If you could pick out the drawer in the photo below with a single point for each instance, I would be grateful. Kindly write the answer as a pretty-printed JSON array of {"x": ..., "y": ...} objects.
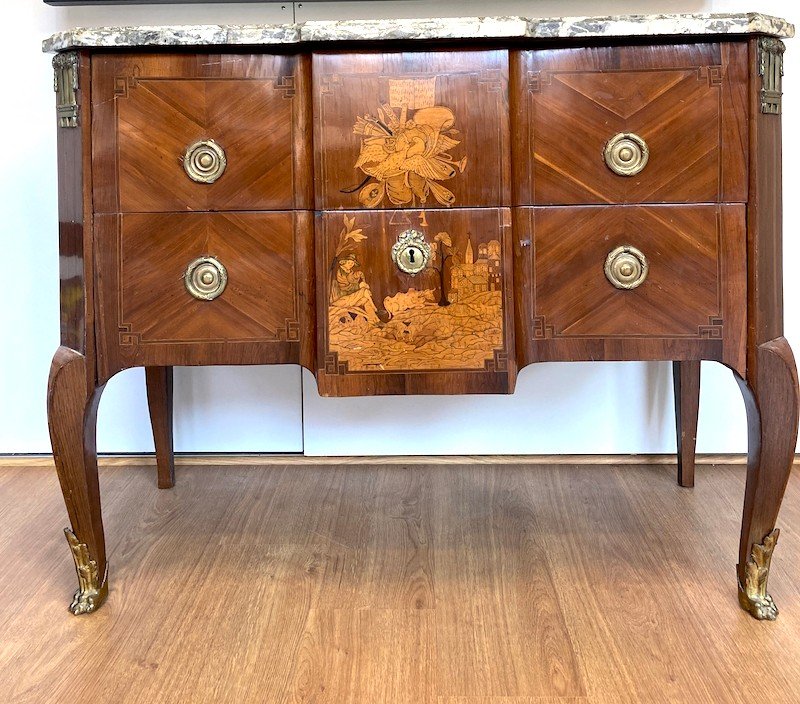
[
  {"x": 414, "y": 302},
  {"x": 200, "y": 132},
  {"x": 660, "y": 282},
  {"x": 659, "y": 124},
  {"x": 411, "y": 129},
  {"x": 198, "y": 288}
]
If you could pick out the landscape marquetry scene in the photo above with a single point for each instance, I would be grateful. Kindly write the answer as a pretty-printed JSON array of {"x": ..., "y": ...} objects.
[{"x": 448, "y": 316}]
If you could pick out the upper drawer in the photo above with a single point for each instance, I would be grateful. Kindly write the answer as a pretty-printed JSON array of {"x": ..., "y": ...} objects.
[
  {"x": 154, "y": 116},
  {"x": 411, "y": 129},
  {"x": 655, "y": 124}
]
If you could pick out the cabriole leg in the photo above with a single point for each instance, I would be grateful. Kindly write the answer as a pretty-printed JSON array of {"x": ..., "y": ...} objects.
[
  {"x": 72, "y": 401},
  {"x": 686, "y": 382},
  {"x": 771, "y": 398},
  {"x": 159, "y": 400}
]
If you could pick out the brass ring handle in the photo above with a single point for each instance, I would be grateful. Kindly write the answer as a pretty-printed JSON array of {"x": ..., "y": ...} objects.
[
  {"x": 626, "y": 154},
  {"x": 411, "y": 252},
  {"x": 626, "y": 267},
  {"x": 205, "y": 278},
  {"x": 204, "y": 161}
]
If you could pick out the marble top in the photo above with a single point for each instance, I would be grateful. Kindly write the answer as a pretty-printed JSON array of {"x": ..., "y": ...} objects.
[{"x": 421, "y": 29}]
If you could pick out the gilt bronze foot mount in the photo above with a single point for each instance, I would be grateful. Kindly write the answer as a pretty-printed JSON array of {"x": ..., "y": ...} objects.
[
  {"x": 753, "y": 596},
  {"x": 91, "y": 593}
]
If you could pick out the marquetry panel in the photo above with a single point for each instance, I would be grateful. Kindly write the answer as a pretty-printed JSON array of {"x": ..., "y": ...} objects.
[
  {"x": 149, "y": 108},
  {"x": 147, "y": 313},
  {"x": 687, "y": 102},
  {"x": 691, "y": 303},
  {"x": 411, "y": 129},
  {"x": 446, "y": 329}
]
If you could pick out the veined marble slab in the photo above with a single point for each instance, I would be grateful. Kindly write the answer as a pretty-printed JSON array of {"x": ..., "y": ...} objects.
[{"x": 433, "y": 28}]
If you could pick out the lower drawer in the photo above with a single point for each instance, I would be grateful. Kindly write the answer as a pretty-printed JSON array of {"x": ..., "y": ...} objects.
[
  {"x": 204, "y": 288},
  {"x": 641, "y": 282},
  {"x": 414, "y": 302}
]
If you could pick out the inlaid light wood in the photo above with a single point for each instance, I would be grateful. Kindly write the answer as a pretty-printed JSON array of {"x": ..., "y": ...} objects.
[
  {"x": 446, "y": 327},
  {"x": 411, "y": 129},
  {"x": 417, "y": 585},
  {"x": 426, "y": 128},
  {"x": 449, "y": 315}
]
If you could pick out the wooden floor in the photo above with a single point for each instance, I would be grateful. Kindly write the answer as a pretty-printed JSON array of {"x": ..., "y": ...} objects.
[{"x": 397, "y": 585}]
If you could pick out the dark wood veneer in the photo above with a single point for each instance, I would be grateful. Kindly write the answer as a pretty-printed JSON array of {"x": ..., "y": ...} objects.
[
  {"x": 146, "y": 317},
  {"x": 686, "y": 382},
  {"x": 74, "y": 223},
  {"x": 159, "y": 402}
]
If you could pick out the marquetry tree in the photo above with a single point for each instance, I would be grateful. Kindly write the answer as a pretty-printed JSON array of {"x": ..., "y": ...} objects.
[{"x": 441, "y": 251}]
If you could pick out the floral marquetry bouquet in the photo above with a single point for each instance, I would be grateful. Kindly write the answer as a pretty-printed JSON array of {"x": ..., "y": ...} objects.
[{"x": 405, "y": 148}]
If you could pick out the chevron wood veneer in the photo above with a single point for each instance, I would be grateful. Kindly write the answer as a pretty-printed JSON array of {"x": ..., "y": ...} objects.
[
  {"x": 149, "y": 315},
  {"x": 695, "y": 254},
  {"x": 423, "y": 218},
  {"x": 149, "y": 108},
  {"x": 687, "y": 103}
]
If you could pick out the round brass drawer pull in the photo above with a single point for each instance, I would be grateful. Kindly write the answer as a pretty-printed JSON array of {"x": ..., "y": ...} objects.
[
  {"x": 204, "y": 161},
  {"x": 626, "y": 267},
  {"x": 205, "y": 278},
  {"x": 411, "y": 252},
  {"x": 626, "y": 154}
]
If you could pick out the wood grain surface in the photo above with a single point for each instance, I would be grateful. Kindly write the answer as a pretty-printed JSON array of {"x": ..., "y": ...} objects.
[
  {"x": 412, "y": 585},
  {"x": 159, "y": 403},
  {"x": 149, "y": 108},
  {"x": 686, "y": 384},
  {"x": 241, "y": 459},
  {"x": 147, "y": 317},
  {"x": 75, "y": 261},
  {"x": 686, "y": 102},
  {"x": 690, "y": 306},
  {"x": 764, "y": 223}
]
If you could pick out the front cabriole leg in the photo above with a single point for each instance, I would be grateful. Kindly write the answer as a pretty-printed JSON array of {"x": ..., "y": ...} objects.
[
  {"x": 771, "y": 399},
  {"x": 72, "y": 400}
]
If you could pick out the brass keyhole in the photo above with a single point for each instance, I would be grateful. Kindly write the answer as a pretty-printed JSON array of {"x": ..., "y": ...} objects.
[{"x": 411, "y": 252}]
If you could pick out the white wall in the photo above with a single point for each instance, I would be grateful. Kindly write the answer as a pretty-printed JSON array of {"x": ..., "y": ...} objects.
[{"x": 591, "y": 408}]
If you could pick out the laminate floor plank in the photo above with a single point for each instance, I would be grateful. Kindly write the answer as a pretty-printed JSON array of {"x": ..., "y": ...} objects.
[
  {"x": 382, "y": 541},
  {"x": 663, "y": 628},
  {"x": 353, "y": 656},
  {"x": 407, "y": 584},
  {"x": 497, "y": 607}
]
